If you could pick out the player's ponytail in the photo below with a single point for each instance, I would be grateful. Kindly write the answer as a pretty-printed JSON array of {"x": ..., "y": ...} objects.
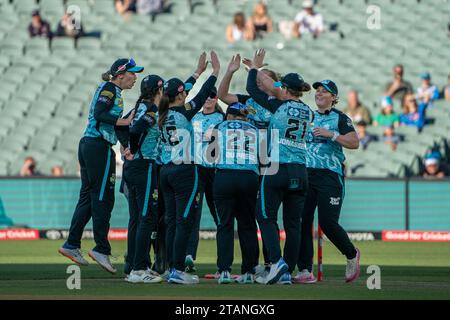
[
  {"x": 138, "y": 102},
  {"x": 306, "y": 87},
  {"x": 107, "y": 76},
  {"x": 163, "y": 110}
]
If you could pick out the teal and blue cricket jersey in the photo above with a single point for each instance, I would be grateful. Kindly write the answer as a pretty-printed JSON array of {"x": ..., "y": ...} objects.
[
  {"x": 322, "y": 152},
  {"x": 237, "y": 143},
  {"x": 177, "y": 133},
  {"x": 145, "y": 133},
  {"x": 106, "y": 108},
  {"x": 257, "y": 115},
  {"x": 289, "y": 124},
  {"x": 203, "y": 125}
]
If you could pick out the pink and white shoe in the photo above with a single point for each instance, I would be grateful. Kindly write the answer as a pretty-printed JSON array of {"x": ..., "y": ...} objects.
[
  {"x": 352, "y": 270},
  {"x": 305, "y": 277}
]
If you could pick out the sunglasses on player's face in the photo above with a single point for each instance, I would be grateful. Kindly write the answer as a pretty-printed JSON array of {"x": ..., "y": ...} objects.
[{"x": 130, "y": 64}]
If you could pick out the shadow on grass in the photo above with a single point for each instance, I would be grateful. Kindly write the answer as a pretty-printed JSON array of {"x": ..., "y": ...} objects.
[{"x": 49, "y": 280}]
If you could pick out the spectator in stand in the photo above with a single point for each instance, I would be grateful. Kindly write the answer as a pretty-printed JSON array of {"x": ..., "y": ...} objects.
[
  {"x": 308, "y": 21},
  {"x": 390, "y": 137},
  {"x": 149, "y": 7},
  {"x": 39, "y": 27},
  {"x": 387, "y": 117},
  {"x": 355, "y": 110},
  {"x": 260, "y": 23},
  {"x": 125, "y": 7},
  {"x": 67, "y": 27},
  {"x": 426, "y": 93},
  {"x": 398, "y": 88},
  {"x": 239, "y": 29},
  {"x": 433, "y": 168},
  {"x": 446, "y": 90},
  {"x": 29, "y": 168},
  {"x": 412, "y": 116},
  {"x": 364, "y": 137},
  {"x": 57, "y": 171}
]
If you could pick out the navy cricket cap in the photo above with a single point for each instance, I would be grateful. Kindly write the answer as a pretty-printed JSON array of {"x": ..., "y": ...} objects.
[
  {"x": 123, "y": 65},
  {"x": 292, "y": 81},
  {"x": 151, "y": 82},
  {"x": 213, "y": 93},
  {"x": 236, "y": 109},
  {"x": 329, "y": 85},
  {"x": 175, "y": 86}
]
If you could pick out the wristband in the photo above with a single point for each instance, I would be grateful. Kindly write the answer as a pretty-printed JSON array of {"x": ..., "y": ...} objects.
[{"x": 335, "y": 136}]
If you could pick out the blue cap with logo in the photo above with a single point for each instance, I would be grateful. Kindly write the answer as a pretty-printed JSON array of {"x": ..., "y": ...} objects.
[
  {"x": 292, "y": 81},
  {"x": 329, "y": 85},
  {"x": 175, "y": 86},
  {"x": 125, "y": 65}
]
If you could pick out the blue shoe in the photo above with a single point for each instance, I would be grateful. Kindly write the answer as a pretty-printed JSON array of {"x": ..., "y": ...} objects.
[
  {"x": 225, "y": 277},
  {"x": 276, "y": 271},
  {"x": 180, "y": 277},
  {"x": 285, "y": 279}
]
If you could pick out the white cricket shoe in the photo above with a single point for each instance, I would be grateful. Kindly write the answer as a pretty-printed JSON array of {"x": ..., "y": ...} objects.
[
  {"x": 143, "y": 276},
  {"x": 103, "y": 261},
  {"x": 74, "y": 255},
  {"x": 352, "y": 270},
  {"x": 276, "y": 271}
]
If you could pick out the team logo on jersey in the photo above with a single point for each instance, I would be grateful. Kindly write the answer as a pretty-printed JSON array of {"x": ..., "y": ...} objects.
[
  {"x": 120, "y": 103},
  {"x": 335, "y": 201},
  {"x": 112, "y": 180},
  {"x": 234, "y": 125},
  {"x": 155, "y": 194},
  {"x": 349, "y": 123},
  {"x": 294, "y": 112},
  {"x": 188, "y": 106}
]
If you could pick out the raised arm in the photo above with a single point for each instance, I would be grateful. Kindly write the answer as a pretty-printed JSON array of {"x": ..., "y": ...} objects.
[
  {"x": 224, "y": 88},
  {"x": 270, "y": 103}
]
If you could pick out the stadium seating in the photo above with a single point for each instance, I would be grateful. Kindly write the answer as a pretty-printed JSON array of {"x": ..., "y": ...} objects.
[{"x": 47, "y": 87}]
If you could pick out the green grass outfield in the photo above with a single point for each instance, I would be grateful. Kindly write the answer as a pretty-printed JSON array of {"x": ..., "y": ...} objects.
[{"x": 34, "y": 270}]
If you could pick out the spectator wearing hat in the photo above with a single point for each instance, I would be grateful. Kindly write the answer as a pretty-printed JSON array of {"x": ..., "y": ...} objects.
[
  {"x": 387, "y": 117},
  {"x": 412, "y": 116},
  {"x": 355, "y": 110},
  {"x": 433, "y": 168},
  {"x": 308, "y": 21},
  {"x": 390, "y": 137},
  {"x": 426, "y": 93},
  {"x": 67, "y": 27},
  {"x": 398, "y": 87},
  {"x": 39, "y": 27},
  {"x": 98, "y": 163},
  {"x": 239, "y": 30},
  {"x": 364, "y": 137}
]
